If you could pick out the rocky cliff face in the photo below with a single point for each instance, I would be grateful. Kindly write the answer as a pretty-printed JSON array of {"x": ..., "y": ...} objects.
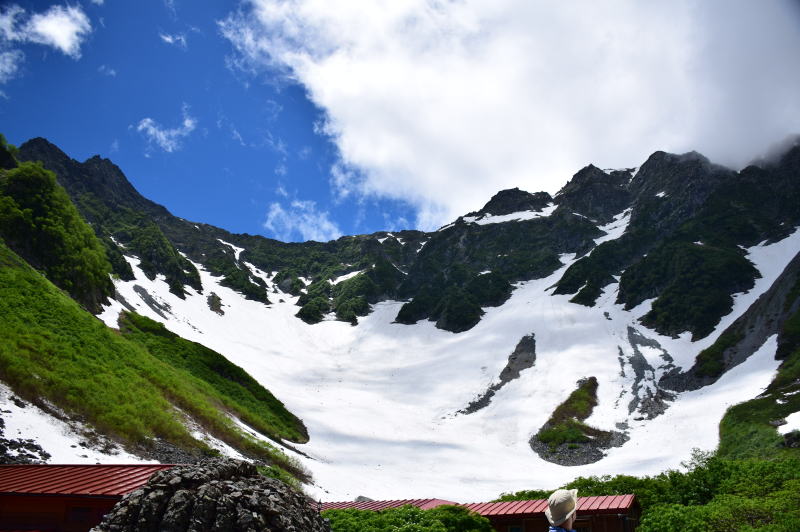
[
  {"x": 666, "y": 207},
  {"x": 218, "y": 495}
]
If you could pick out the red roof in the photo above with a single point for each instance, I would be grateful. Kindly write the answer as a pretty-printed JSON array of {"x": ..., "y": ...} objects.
[
  {"x": 596, "y": 505},
  {"x": 424, "y": 504},
  {"x": 603, "y": 504},
  {"x": 91, "y": 480}
]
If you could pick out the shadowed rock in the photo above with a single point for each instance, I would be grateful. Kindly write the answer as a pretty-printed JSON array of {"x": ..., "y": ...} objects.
[{"x": 218, "y": 495}]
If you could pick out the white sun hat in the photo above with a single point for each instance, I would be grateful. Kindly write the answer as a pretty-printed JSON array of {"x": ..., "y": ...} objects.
[{"x": 561, "y": 506}]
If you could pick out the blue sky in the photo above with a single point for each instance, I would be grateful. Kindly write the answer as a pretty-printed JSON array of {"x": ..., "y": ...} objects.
[
  {"x": 152, "y": 89},
  {"x": 309, "y": 119}
]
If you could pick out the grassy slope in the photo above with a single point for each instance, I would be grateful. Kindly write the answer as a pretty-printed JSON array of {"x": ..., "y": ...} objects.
[
  {"x": 566, "y": 424},
  {"x": 236, "y": 388},
  {"x": 52, "y": 349},
  {"x": 745, "y": 431}
]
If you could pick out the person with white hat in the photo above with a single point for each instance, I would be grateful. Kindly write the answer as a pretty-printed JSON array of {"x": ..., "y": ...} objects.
[{"x": 560, "y": 511}]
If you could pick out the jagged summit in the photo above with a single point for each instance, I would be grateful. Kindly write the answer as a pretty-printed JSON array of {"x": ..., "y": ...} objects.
[
  {"x": 596, "y": 194},
  {"x": 513, "y": 200}
]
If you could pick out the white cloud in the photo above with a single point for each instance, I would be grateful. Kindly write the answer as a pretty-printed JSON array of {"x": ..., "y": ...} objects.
[
  {"x": 441, "y": 104},
  {"x": 107, "y": 70},
  {"x": 63, "y": 28},
  {"x": 178, "y": 39},
  {"x": 98, "y": 2},
  {"x": 300, "y": 219},
  {"x": 168, "y": 139},
  {"x": 9, "y": 30},
  {"x": 9, "y": 64}
]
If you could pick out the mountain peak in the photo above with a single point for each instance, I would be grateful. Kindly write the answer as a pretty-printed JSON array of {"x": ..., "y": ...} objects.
[
  {"x": 596, "y": 194},
  {"x": 514, "y": 200}
]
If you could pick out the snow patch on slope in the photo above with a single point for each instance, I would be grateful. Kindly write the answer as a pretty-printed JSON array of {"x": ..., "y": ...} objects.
[
  {"x": 513, "y": 217},
  {"x": 615, "y": 228},
  {"x": 62, "y": 440},
  {"x": 345, "y": 277},
  {"x": 236, "y": 249},
  {"x": 379, "y": 399},
  {"x": 792, "y": 423}
]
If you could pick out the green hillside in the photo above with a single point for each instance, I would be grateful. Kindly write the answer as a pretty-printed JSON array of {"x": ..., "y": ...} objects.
[
  {"x": 40, "y": 223},
  {"x": 51, "y": 349}
]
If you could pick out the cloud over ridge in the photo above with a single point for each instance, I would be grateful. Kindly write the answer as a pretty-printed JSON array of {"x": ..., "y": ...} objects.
[{"x": 442, "y": 103}]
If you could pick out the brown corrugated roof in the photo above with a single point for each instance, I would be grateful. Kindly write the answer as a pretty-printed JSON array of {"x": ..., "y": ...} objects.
[{"x": 91, "y": 480}]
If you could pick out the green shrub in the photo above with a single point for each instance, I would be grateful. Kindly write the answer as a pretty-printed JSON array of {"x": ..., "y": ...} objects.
[
  {"x": 712, "y": 494},
  {"x": 314, "y": 310},
  {"x": 710, "y": 361},
  {"x": 408, "y": 519},
  {"x": 40, "y": 223},
  {"x": 566, "y": 423}
]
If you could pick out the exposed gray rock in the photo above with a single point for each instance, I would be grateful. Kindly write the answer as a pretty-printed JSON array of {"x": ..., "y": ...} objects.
[
  {"x": 649, "y": 401},
  {"x": 215, "y": 303},
  {"x": 523, "y": 357},
  {"x": 156, "y": 307},
  {"x": 575, "y": 454},
  {"x": 218, "y": 495},
  {"x": 19, "y": 450}
]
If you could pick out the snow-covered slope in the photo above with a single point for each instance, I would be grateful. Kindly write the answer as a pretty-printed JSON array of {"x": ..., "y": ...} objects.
[
  {"x": 381, "y": 400},
  {"x": 64, "y": 442}
]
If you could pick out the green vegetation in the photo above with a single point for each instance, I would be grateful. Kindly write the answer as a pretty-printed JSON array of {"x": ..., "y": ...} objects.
[
  {"x": 745, "y": 430},
  {"x": 587, "y": 277},
  {"x": 713, "y": 494},
  {"x": 710, "y": 362},
  {"x": 236, "y": 388},
  {"x": 222, "y": 262},
  {"x": 314, "y": 310},
  {"x": 52, "y": 350},
  {"x": 566, "y": 423},
  {"x": 40, "y": 223},
  {"x": 352, "y": 297},
  {"x": 137, "y": 234},
  {"x": 408, "y": 519},
  {"x": 9, "y": 154},
  {"x": 467, "y": 266},
  {"x": 693, "y": 283}
]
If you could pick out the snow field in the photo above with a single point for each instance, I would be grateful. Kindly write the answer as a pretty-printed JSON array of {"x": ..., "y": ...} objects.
[{"x": 380, "y": 399}]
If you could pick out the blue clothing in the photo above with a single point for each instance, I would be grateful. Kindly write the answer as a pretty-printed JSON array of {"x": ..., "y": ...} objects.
[{"x": 559, "y": 529}]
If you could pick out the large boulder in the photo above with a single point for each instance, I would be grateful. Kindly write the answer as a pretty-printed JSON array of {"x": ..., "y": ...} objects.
[{"x": 218, "y": 495}]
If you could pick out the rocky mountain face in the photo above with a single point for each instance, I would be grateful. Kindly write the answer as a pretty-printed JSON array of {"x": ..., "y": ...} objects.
[
  {"x": 672, "y": 237},
  {"x": 686, "y": 222}
]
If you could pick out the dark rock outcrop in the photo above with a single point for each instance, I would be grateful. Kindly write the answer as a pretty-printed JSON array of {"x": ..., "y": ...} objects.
[
  {"x": 523, "y": 357},
  {"x": 513, "y": 200},
  {"x": 218, "y": 495},
  {"x": 19, "y": 450},
  {"x": 596, "y": 194}
]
